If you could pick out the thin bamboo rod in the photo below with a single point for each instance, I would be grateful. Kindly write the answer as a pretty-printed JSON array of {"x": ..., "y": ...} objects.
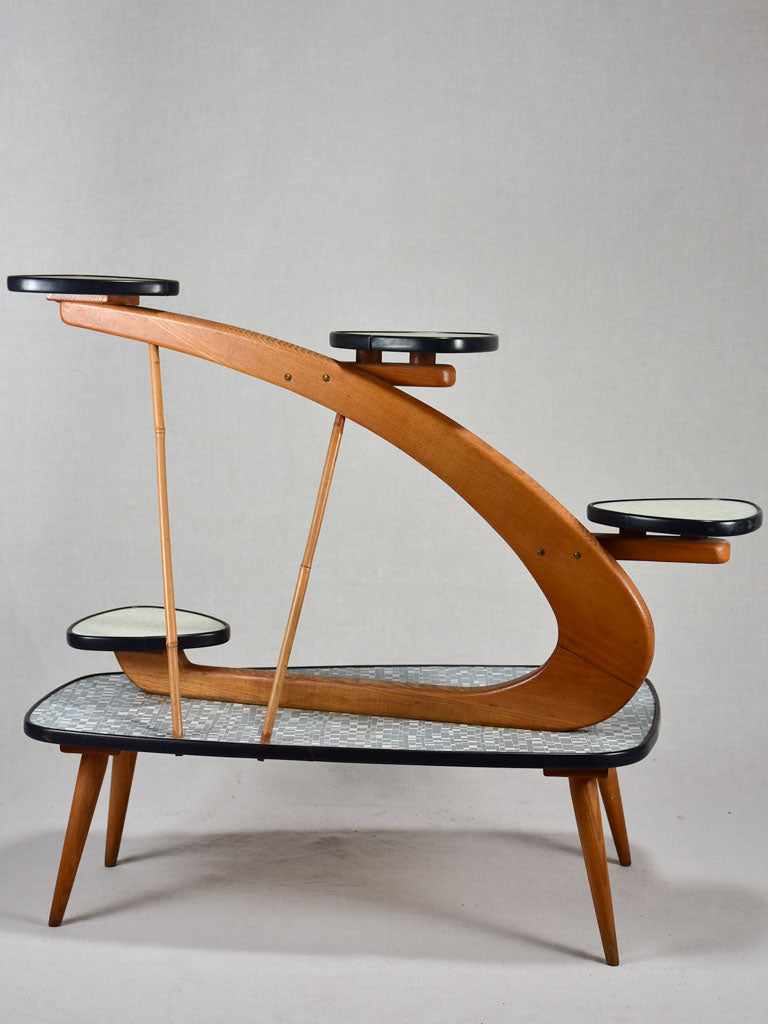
[
  {"x": 303, "y": 579},
  {"x": 169, "y": 601}
]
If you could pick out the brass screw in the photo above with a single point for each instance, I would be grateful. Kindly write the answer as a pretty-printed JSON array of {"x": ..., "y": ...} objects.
[
  {"x": 326, "y": 377},
  {"x": 541, "y": 551},
  {"x": 288, "y": 376},
  {"x": 577, "y": 554}
]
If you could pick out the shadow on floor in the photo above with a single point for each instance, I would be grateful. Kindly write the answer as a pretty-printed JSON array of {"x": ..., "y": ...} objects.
[{"x": 458, "y": 895}]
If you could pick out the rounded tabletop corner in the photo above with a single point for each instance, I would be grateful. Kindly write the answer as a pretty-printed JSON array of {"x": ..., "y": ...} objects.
[
  {"x": 87, "y": 284},
  {"x": 142, "y": 628},
  {"x": 690, "y": 517},
  {"x": 446, "y": 342}
]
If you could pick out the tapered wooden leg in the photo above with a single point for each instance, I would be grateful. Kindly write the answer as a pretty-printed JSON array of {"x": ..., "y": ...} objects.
[
  {"x": 93, "y": 764},
  {"x": 123, "y": 765},
  {"x": 586, "y": 804},
  {"x": 611, "y": 794}
]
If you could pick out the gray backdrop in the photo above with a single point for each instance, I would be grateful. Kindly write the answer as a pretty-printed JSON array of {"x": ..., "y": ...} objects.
[{"x": 587, "y": 179}]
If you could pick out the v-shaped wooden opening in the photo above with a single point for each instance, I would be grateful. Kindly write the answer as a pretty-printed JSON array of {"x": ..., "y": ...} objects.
[{"x": 605, "y": 635}]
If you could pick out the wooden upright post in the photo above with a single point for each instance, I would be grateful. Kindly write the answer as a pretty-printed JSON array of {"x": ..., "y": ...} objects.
[
  {"x": 171, "y": 636},
  {"x": 586, "y": 805},
  {"x": 93, "y": 764},
  {"x": 301, "y": 583},
  {"x": 614, "y": 812},
  {"x": 123, "y": 765}
]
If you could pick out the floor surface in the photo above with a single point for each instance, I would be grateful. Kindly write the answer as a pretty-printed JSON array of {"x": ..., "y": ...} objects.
[{"x": 295, "y": 892}]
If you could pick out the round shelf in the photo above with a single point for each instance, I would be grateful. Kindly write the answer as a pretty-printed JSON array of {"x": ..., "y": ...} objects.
[
  {"x": 687, "y": 517},
  {"x": 415, "y": 341},
  {"x": 84, "y": 284}
]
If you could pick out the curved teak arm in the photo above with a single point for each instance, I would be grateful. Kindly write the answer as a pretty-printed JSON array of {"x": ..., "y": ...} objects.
[{"x": 605, "y": 635}]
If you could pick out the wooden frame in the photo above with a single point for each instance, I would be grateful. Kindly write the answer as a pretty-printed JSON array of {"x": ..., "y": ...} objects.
[{"x": 605, "y": 635}]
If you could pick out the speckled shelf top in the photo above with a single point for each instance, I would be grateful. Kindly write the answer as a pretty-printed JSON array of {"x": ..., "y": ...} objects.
[{"x": 107, "y": 710}]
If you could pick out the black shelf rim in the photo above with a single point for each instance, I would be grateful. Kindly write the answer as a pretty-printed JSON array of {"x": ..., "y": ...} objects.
[
  {"x": 211, "y": 638},
  {"x": 673, "y": 526}
]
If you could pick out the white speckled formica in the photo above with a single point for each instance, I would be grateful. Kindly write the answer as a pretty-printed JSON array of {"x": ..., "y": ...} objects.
[
  {"x": 109, "y": 705},
  {"x": 142, "y": 621},
  {"x": 432, "y": 335},
  {"x": 708, "y": 510}
]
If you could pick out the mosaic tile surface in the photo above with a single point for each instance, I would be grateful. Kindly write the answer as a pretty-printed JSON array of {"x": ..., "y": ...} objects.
[{"x": 109, "y": 704}]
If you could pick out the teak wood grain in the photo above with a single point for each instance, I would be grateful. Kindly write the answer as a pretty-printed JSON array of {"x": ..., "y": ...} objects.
[
  {"x": 586, "y": 806},
  {"x": 405, "y": 375},
  {"x": 120, "y": 300},
  {"x": 123, "y": 765},
  {"x": 605, "y": 635},
  {"x": 506, "y": 704},
  {"x": 614, "y": 812},
  {"x": 700, "y": 550}
]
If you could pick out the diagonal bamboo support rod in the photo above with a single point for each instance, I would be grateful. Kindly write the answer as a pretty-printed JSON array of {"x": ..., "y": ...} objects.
[
  {"x": 605, "y": 634},
  {"x": 303, "y": 579},
  {"x": 169, "y": 601}
]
